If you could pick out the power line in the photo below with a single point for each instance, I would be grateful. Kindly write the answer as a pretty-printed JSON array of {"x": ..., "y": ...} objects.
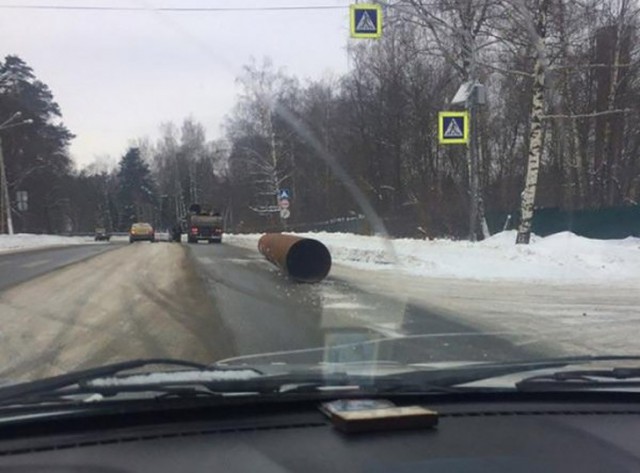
[{"x": 170, "y": 9}]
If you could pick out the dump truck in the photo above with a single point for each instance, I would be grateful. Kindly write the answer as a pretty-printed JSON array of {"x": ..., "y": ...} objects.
[{"x": 203, "y": 225}]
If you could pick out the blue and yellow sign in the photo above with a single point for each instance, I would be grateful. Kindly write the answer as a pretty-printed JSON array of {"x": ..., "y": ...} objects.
[
  {"x": 366, "y": 21},
  {"x": 453, "y": 128}
]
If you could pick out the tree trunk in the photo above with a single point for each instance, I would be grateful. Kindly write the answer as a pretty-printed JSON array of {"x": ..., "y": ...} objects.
[
  {"x": 566, "y": 133},
  {"x": 4, "y": 203},
  {"x": 611, "y": 139},
  {"x": 535, "y": 134}
]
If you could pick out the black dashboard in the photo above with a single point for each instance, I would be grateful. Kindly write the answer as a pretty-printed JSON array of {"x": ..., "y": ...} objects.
[{"x": 487, "y": 436}]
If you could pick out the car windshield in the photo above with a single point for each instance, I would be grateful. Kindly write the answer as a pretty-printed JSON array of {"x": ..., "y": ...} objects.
[{"x": 327, "y": 184}]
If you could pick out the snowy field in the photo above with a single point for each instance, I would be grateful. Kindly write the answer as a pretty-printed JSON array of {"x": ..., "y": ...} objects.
[
  {"x": 560, "y": 258},
  {"x": 24, "y": 241}
]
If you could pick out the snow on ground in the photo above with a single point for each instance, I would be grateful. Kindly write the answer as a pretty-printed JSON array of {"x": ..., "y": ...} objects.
[
  {"x": 576, "y": 295},
  {"x": 560, "y": 258},
  {"x": 22, "y": 241}
]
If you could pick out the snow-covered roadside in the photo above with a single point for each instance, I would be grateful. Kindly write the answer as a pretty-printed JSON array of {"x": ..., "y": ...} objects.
[
  {"x": 573, "y": 319},
  {"x": 25, "y": 241},
  {"x": 577, "y": 295},
  {"x": 560, "y": 258}
]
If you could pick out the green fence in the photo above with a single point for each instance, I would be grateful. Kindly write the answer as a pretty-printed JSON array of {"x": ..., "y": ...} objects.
[{"x": 606, "y": 224}]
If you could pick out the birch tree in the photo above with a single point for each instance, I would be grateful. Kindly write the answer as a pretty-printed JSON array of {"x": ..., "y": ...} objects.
[
  {"x": 168, "y": 171},
  {"x": 535, "y": 131},
  {"x": 260, "y": 152}
]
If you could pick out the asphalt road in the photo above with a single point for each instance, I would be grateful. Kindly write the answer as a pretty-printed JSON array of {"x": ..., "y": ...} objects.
[
  {"x": 25, "y": 265},
  {"x": 263, "y": 312},
  {"x": 138, "y": 301},
  {"x": 85, "y": 306}
]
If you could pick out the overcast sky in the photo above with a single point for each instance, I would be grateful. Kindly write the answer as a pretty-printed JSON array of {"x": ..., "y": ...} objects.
[{"x": 118, "y": 74}]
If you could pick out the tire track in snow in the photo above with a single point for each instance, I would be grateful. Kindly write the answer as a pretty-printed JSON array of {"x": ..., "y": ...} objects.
[{"x": 139, "y": 301}]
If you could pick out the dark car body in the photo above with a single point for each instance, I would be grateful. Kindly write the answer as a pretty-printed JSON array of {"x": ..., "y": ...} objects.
[{"x": 101, "y": 234}]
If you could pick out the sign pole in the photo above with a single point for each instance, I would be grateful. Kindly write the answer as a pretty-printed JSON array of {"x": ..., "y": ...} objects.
[
  {"x": 471, "y": 94},
  {"x": 473, "y": 165}
]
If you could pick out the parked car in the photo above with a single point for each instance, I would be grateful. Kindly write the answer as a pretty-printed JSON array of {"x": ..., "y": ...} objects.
[{"x": 142, "y": 231}]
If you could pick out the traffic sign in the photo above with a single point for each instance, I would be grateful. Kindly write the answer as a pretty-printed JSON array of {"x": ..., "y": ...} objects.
[
  {"x": 453, "y": 128},
  {"x": 284, "y": 194},
  {"x": 284, "y": 203},
  {"x": 266, "y": 209},
  {"x": 366, "y": 21},
  {"x": 285, "y": 213}
]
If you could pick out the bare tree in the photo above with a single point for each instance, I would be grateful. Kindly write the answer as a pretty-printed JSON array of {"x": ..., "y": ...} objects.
[
  {"x": 459, "y": 29},
  {"x": 261, "y": 153}
]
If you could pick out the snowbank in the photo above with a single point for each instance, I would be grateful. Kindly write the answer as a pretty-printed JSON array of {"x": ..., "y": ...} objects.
[
  {"x": 563, "y": 257},
  {"x": 26, "y": 240}
]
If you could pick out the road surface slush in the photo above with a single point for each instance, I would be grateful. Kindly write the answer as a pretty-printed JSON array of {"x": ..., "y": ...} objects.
[{"x": 141, "y": 301}]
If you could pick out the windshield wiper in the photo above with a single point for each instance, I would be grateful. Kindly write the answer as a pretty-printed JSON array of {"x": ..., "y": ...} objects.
[
  {"x": 221, "y": 381},
  {"x": 204, "y": 381},
  {"x": 300, "y": 382},
  {"x": 469, "y": 373},
  {"x": 582, "y": 379},
  {"x": 49, "y": 386},
  {"x": 414, "y": 381}
]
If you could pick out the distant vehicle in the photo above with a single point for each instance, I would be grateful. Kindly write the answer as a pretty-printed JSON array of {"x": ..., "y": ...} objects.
[
  {"x": 142, "y": 231},
  {"x": 101, "y": 234},
  {"x": 203, "y": 225},
  {"x": 176, "y": 232}
]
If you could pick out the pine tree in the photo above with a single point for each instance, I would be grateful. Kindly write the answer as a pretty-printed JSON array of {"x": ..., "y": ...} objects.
[
  {"x": 35, "y": 154},
  {"x": 136, "y": 190}
]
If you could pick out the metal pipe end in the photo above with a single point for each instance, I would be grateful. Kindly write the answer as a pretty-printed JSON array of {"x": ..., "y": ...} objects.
[{"x": 308, "y": 261}]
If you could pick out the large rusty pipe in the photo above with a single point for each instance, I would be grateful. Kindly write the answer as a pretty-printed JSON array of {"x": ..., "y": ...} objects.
[{"x": 303, "y": 259}]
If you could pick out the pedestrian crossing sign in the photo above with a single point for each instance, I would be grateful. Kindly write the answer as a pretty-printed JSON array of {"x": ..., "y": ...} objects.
[
  {"x": 366, "y": 20},
  {"x": 453, "y": 128}
]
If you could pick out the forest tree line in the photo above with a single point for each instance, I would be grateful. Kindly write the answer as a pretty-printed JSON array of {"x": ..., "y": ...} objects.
[{"x": 563, "y": 102}]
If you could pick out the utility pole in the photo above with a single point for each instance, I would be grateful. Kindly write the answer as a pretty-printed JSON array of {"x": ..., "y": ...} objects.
[
  {"x": 472, "y": 95},
  {"x": 5, "y": 208},
  {"x": 476, "y": 97}
]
